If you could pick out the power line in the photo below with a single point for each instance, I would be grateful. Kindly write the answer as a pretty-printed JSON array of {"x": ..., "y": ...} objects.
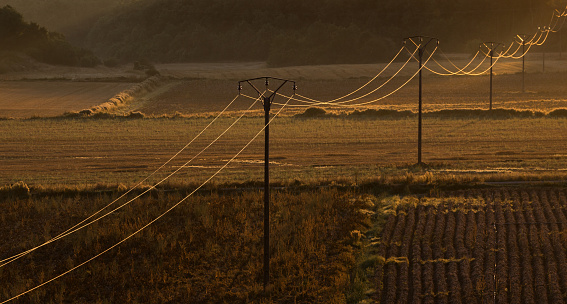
[
  {"x": 537, "y": 39},
  {"x": 367, "y": 94},
  {"x": 155, "y": 219},
  {"x": 314, "y": 102},
  {"x": 371, "y": 80},
  {"x": 377, "y": 99},
  {"x": 80, "y": 226}
]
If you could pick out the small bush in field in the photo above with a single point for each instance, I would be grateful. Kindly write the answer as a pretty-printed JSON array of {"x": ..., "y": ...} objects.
[{"x": 313, "y": 112}]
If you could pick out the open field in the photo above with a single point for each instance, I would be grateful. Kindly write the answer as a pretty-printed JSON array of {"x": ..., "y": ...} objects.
[
  {"x": 339, "y": 234},
  {"x": 22, "y": 99},
  {"x": 239, "y": 71},
  {"x": 545, "y": 92},
  {"x": 475, "y": 246},
  {"x": 208, "y": 88},
  {"x": 90, "y": 151}
]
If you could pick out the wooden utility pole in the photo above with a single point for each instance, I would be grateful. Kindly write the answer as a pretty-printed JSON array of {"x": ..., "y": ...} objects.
[
  {"x": 267, "y": 103},
  {"x": 421, "y": 49}
]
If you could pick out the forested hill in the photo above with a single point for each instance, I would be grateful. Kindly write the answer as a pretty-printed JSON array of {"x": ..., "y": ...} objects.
[
  {"x": 286, "y": 32},
  {"x": 20, "y": 37},
  {"x": 283, "y": 32}
]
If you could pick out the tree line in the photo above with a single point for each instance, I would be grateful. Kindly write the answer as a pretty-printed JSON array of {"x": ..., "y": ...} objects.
[
  {"x": 19, "y": 36},
  {"x": 289, "y": 32}
]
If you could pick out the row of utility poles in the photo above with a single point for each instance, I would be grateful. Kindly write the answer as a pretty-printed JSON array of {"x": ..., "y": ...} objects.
[
  {"x": 423, "y": 43},
  {"x": 268, "y": 97}
]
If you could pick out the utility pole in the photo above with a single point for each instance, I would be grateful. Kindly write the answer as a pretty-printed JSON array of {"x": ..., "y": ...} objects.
[
  {"x": 523, "y": 38},
  {"x": 543, "y": 49},
  {"x": 421, "y": 49},
  {"x": 560, "y": 15},
  {"x": 267, "y": 101},
  {"x": 491, "y": 54}
]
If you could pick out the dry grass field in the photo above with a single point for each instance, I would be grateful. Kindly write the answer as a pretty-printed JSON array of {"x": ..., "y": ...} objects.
[
  {"x": 24, "y": 99},
  {"x": 207, "y": 251},
  {"x": 65, "y": 151}
]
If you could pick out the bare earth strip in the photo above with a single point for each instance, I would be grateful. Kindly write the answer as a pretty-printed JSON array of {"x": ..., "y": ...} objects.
[{"x": 23, "y": 99}]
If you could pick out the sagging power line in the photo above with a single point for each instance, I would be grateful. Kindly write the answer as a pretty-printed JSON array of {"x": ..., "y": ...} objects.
[{"x": 538, "y": 39}]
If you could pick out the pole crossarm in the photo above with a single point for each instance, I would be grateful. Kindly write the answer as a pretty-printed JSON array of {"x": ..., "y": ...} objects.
[
  {"x": 492, "y": 46},
  {"x": 421, "y": 39},
  {"x": 267, "y": 82}
]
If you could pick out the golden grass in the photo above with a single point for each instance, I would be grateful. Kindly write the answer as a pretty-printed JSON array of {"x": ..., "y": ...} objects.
[
  {"x": 207, "y": 250},
  {"x": 344, "y": 150}
]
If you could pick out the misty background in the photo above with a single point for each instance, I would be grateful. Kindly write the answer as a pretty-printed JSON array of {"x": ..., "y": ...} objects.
[{"x": 283, "y": 32}]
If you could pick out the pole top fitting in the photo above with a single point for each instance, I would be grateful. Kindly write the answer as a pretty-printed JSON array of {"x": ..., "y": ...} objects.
[{"x": 267, "y": 83}]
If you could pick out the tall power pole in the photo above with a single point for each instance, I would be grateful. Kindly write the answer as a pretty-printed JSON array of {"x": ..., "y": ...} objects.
[
  {"x": 523, "y": 39},
  {"x": 267, "y": 99},
  {"x": 491, "y": 48},
  {"x": 421, "y": 49}
]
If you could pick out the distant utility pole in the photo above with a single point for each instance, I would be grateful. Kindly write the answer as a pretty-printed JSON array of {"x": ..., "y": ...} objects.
[
  {"x": 545, "y": 28},
  {"x": 493, "y": 45},
  {"x": 523, "y": 39},
  {"x": 267, "y": 99},
  {"x": 559, "y": 15},
  {"x": 421, "y": 49}
]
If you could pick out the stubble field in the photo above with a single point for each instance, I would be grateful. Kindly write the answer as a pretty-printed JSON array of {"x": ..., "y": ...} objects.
[{"x": 86, "y": 152}]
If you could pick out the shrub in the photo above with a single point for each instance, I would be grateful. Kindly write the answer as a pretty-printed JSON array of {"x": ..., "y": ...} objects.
[
  {"x": 559, "y": 113},
  {"x": 312, "y": 112},
  {"x": 18, "y": 190}
]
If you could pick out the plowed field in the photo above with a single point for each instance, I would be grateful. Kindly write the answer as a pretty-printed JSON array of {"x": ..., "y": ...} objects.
[{"x": 476, "y": 246}]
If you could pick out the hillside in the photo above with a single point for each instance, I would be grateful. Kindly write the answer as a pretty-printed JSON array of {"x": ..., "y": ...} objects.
[
  {"x": 289, "y": 32},
  {"x": 21, "y": 40},
  {"x": 294, "y": 32}
]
